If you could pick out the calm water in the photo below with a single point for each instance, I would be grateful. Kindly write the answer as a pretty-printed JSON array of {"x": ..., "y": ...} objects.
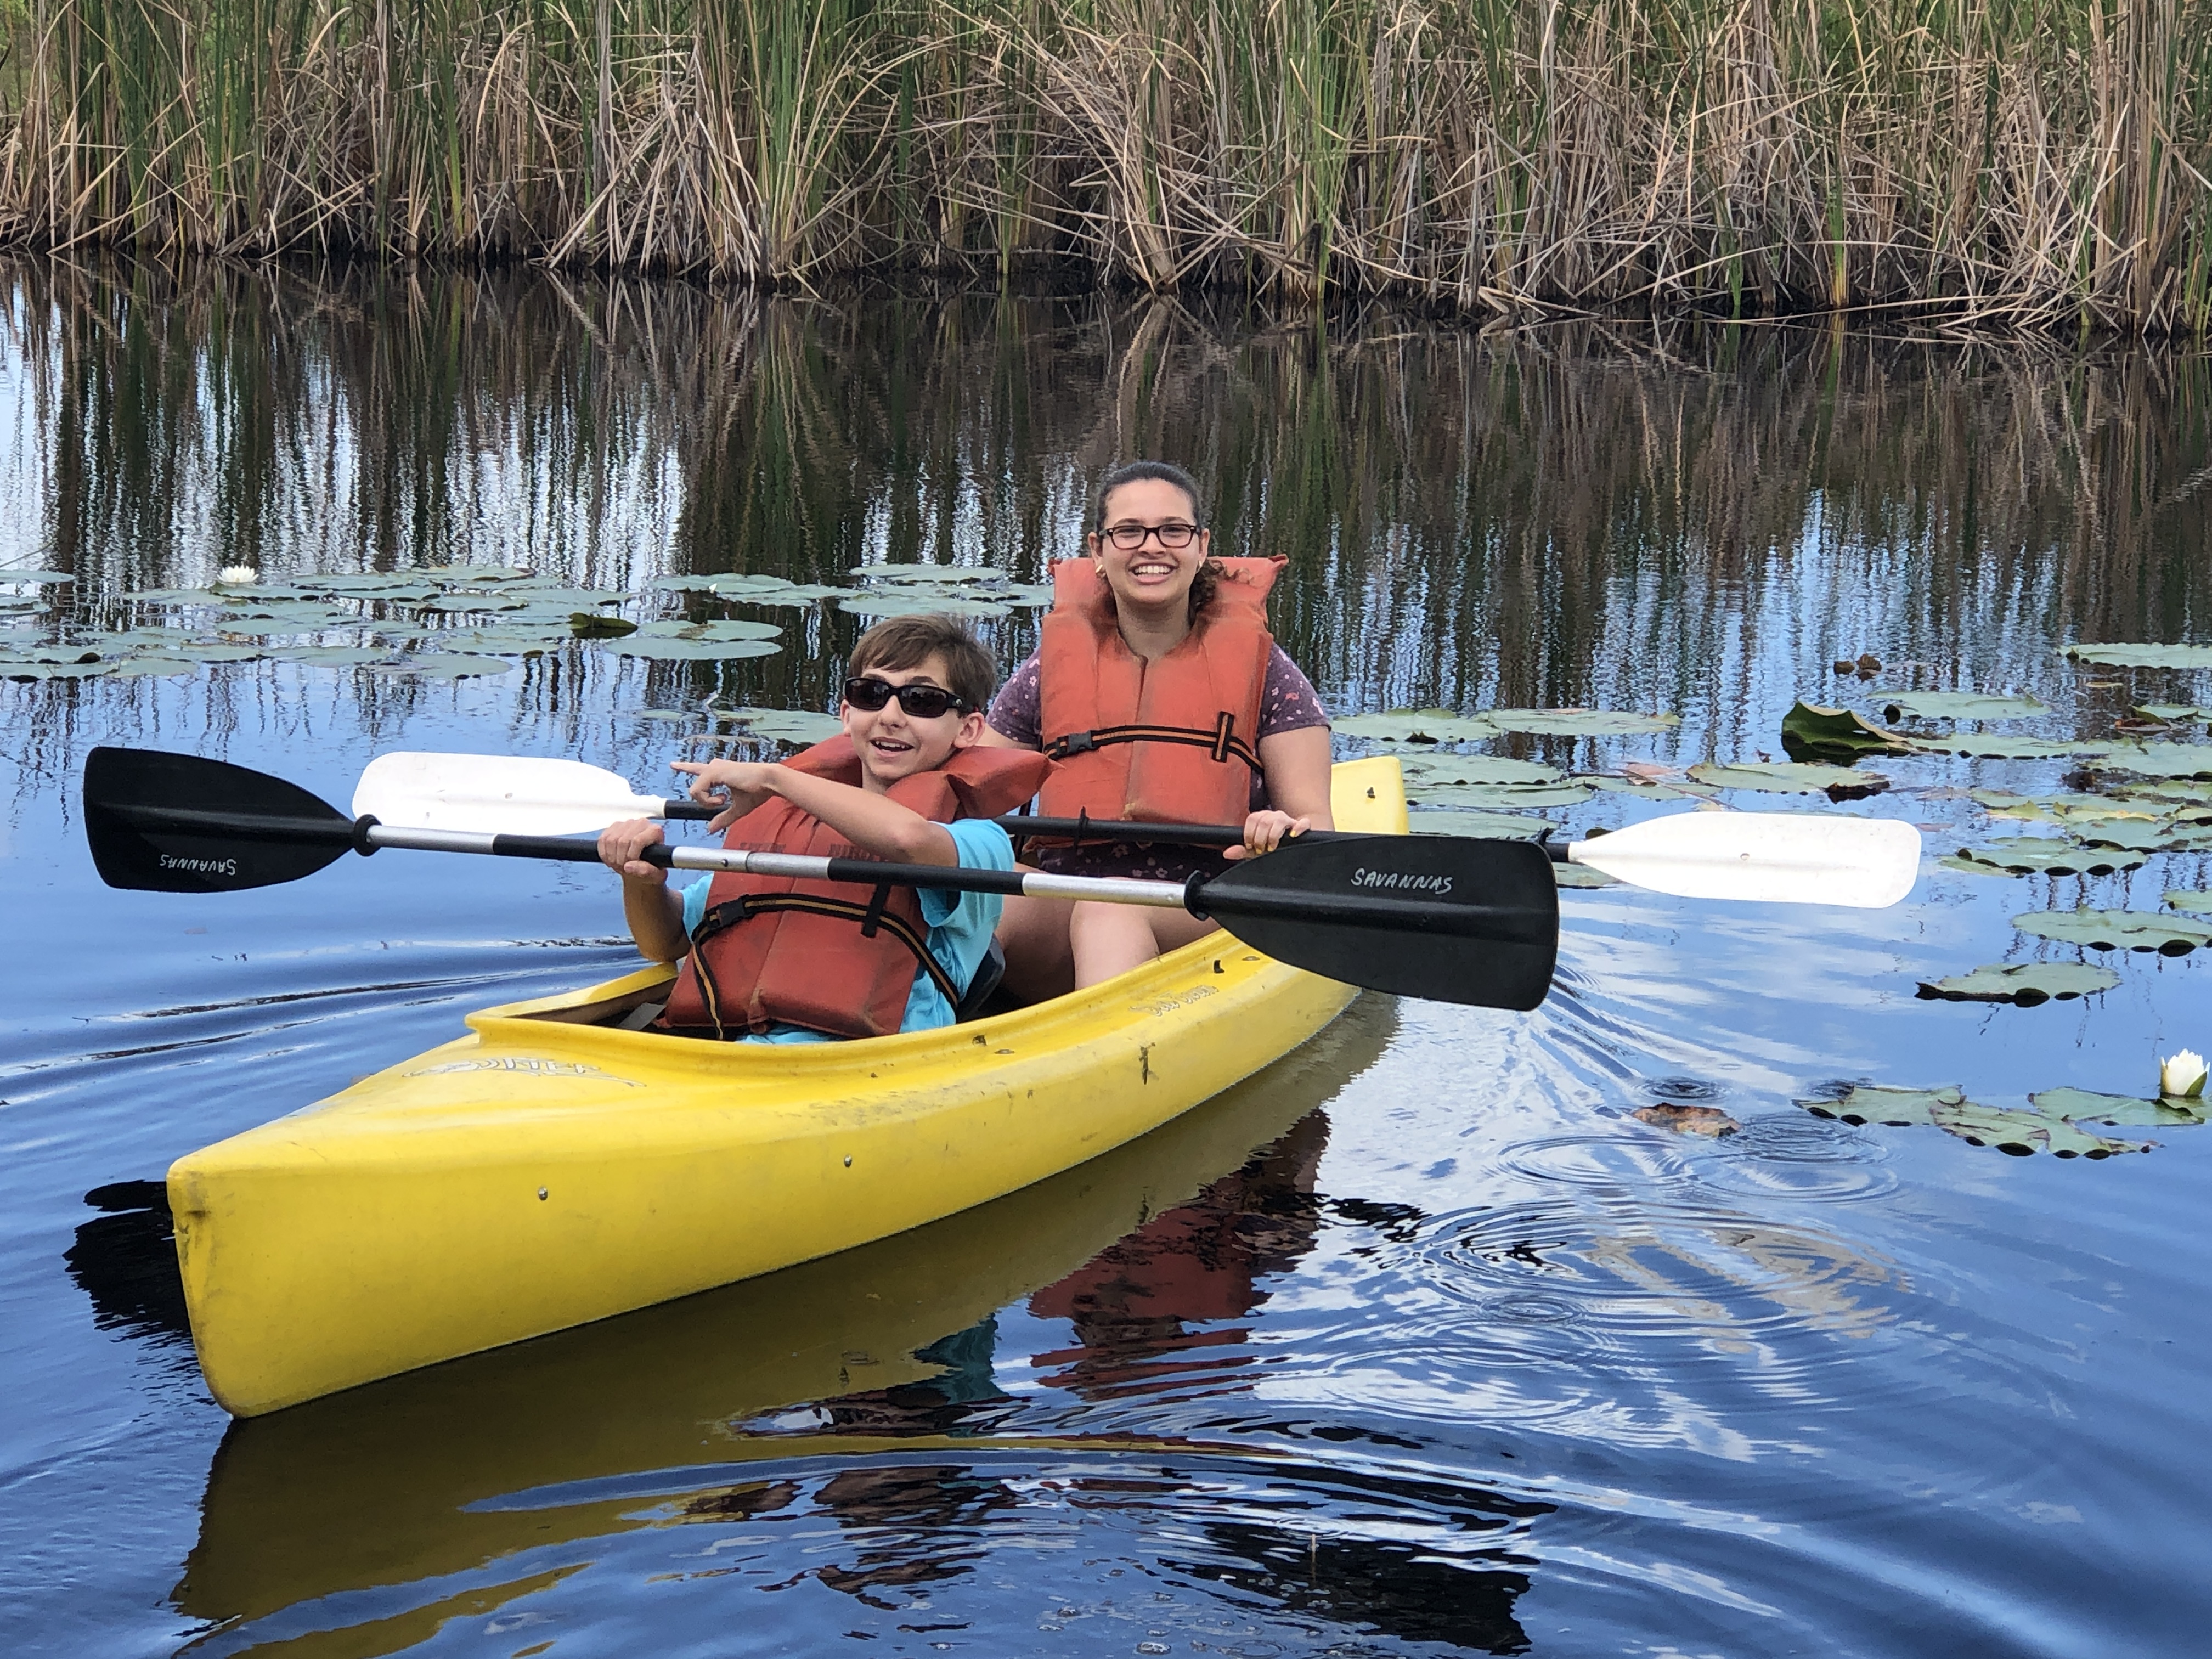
[{"x": 1418, "y": 1342}]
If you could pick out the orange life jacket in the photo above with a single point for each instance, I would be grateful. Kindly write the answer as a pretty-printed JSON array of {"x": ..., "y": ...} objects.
[
  {"x": 820, "y": 953},
  {"x": 1173, "y": 740}
]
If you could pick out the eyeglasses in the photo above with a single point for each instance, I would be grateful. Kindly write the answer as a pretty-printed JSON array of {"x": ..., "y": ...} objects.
[
  {"x": 1131, "y": 537},
  {"x": 923, "y": 703}
]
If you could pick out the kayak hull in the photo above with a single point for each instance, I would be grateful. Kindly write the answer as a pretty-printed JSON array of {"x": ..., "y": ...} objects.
[{"x": 544, "y": 1171}]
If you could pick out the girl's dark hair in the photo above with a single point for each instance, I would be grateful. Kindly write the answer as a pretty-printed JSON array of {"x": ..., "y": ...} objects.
[
  {"x": 1209, "y": 575},
  {"x": 1148, "y": 472}
]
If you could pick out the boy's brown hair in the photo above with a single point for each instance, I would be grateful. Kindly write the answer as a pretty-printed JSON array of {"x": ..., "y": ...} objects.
[{"x": 904, "y": 642}]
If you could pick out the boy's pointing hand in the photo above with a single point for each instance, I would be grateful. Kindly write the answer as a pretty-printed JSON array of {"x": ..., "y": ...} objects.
[{"x": 738, "y": 786}]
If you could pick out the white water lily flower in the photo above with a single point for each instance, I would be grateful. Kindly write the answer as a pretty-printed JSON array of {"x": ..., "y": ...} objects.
[
  {"x": 2182, "y": 1078},
  {"x": 238, "y": 574}
]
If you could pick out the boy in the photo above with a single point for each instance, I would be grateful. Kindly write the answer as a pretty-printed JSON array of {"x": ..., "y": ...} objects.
[{"x": 767, "y": 960}]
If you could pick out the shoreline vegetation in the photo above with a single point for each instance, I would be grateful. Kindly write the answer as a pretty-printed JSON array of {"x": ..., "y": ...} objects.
[{"x": 1978, "y": 164}]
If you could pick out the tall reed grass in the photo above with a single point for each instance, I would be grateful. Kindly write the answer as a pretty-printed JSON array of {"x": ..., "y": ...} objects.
[{"x": 2033, "y": 163}]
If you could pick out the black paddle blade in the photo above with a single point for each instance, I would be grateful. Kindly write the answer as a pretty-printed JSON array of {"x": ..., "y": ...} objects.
[
  {"x": 176, "y": 823},
  {"x": 1468, "y": 921}
]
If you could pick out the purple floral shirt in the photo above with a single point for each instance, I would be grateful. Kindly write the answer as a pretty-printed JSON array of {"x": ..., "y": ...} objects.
[{"x": 1288, "y": 702}]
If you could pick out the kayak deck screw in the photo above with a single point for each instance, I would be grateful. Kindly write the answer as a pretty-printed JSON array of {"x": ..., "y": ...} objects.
[
  {"x": 540, "y": 1194},
  {"x": 848, "y": 1160},
  {"x": 1218, "y": 967}
]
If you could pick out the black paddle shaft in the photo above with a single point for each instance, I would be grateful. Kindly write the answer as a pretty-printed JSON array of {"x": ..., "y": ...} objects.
[{"x": 1455, "y": 921}]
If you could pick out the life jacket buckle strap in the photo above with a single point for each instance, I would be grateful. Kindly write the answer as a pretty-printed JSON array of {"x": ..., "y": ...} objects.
[{"x": 1075, "y": 743}]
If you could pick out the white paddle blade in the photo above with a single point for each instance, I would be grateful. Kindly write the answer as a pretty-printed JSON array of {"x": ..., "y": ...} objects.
[
  {"x": 503, "y": 794},
  {"x": 1773, "y": 858}
]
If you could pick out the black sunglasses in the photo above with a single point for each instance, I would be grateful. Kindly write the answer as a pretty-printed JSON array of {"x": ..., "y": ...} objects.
[{"x": 923, "y": 703}]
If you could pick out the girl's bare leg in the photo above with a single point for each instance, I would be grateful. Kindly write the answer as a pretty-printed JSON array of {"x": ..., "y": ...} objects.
[
  {"x": 1034, "y": 934},
  {"x": 1106, "y": 939}
]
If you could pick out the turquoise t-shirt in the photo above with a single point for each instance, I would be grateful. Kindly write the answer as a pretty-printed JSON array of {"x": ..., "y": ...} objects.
[{"x": 960, "y": 928}]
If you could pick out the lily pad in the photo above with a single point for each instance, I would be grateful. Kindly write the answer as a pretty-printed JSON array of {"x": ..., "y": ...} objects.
[
  {"x": 802, "y": 726},
  {"x": 2023, "y": 855},
  {"x": 1428, "y": 771},
  {"x": 932, "y": 575},
  {"x": 216, "y": 651},
  {"x": 2017, "y": 1133},
  {"x": 2116, "y": 930},
  {"x": 56, "y": 671},
  {"x": 478, "y": 573},
  {"x": 2144, "y": 656},
  {"x": 1579, "y": 722},
  {"x": 1415, "y": 726},
  {"x": 1648, "y": 789},
  {"x": 1970, "y": 868},
  {"x": 565, "y": 599},
  {"x": 2026, "y": 983},
  {"x": 1493, "y": 797},
  {"x": 926, "y": 602},
  {"x": 1478, "y": 826},
  {"x": 2163, "y": 760},
  {"x": 797, "y": 598},
  {"x": 2177, "y": 714},
  {"x": 433, "y": 665},
  {"x": 2164, "y": 795},
  {"x": 1581, "y": 875},
  {"x": 176, "y": 597},
  {"x": 1791, "y": 778},
  {"x": 34, "y": 578},
  {"x": 129, "y": 667},
  {"x": 2120, "y": 1111},
  {"x": 729, "y": 630},
  {"x": 660, "y": 648},
  {"x": 332, "y": 656},
  {"x": 1025, "y": 596},
  {"x": 2197, "y": 903},
  {"x": 1959, "y": 706},
  {"x": 1811, "y": 732},
  {"x": 464, "y": 603},
  {"x": 590, "y": 625},
  {"x": 1992, "y": 746}
]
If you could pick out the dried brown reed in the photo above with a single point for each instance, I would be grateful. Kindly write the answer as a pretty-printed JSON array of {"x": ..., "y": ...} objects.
[{"x": 2026, "y": 162}]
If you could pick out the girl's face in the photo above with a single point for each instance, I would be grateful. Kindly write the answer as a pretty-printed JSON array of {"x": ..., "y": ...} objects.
[{"x": 1151, "y": 575}]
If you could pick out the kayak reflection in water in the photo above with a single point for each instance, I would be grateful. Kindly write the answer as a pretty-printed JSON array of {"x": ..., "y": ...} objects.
[{"x": 1161, "y": 695}]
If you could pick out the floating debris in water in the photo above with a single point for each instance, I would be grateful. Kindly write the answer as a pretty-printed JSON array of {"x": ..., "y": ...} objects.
[{"x": 1687, "y": 1119}]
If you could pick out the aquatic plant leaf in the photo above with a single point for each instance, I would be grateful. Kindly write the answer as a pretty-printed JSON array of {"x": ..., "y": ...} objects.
[
  {"x": 1579, "y": 722},
  {"x": 661, "y": 648},
  {"x": 2144, "y": 656},
  {"x": 672, "y": 716},
  {"x": 591, "y": 625},
  {"x": 2116, "y": 930},
  {"x": 57, "y": 652},
  {"x": 176, "y": 597},
  {"x": 1991, "y": 747},
  {"x": 2177, "y": 713},
  {"x": 1790, "y": 778},
  {"x": 215, "y": 651},
  {"x": 487, "y": 600},
  {"x": 728, "y": 629},
  {"x": 436, "y": 666},
  {"x": 55, "y": 670},
  {"x": 1657, "y": 789},
  {"x": 2023, "y": 855},
  {"x": 1959, "y": 706},
  {"x": 2027, "y": 983},
  {"x": 1811, "y": 732},
  {"x": 564, "y": 600},
  {"x": 1493, "y": 797},
  {"x": 1970, "y": 868},
  {"x": 2164, "y": 795},
  {"x": 1431, "y": 769},
  {"x": 1581, "y": 875},
  {"x": 332, "y": 656},
  {"x": 1893, "y": 1107},
  {"x": 1415, "y": 726},
  {"x": 34, "y": 578},
  {"x": 129, "y": 667},
  {"x": 2197, "y": 903},
  {"x": 1480, "y": 826},
  {"x": 368, "y": 584},
  {"x": 2120, "y": 1111},
  {"x": 802, "y": 726},
  {"x": 477, "y": 573},
  {"x": 929, "y": 575},
  {"x": 927, "y": 602},
  {"x": 1025, "y": 596},
  {"x": 2163, "y": 760}
]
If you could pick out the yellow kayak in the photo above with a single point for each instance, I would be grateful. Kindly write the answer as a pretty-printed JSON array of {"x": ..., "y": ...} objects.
[{"x": 548, "y": 1169}]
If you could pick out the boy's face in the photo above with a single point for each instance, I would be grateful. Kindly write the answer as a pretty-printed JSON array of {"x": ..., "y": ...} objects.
[{"x": 891, "y": 743}]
